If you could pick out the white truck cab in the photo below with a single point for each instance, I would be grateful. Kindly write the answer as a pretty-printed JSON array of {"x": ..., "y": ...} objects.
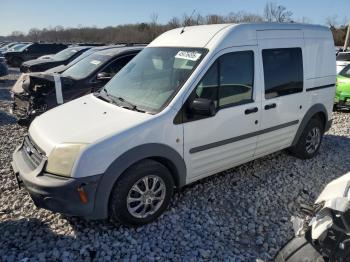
[{"x": 196, "y": 101}]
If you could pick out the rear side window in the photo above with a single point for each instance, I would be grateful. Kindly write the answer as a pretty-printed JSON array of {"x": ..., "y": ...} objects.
[
  {"x": 283, "y": 71},
  {"x": 230, "y": 79}
]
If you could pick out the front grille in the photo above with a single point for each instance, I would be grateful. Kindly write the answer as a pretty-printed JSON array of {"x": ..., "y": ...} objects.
[{"x": 32, "y": 152}]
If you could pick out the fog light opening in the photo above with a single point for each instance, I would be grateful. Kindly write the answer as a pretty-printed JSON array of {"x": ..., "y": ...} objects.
[{"x": 82, "y": 195}]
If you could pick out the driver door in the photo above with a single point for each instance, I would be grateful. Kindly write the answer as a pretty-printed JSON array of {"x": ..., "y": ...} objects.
[{"x": 213, "y": 144}]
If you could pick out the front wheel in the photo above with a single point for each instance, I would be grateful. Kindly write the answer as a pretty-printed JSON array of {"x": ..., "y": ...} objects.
[
  {"x": 309, "y": 141},
  {"x": 142, "y": 193}
]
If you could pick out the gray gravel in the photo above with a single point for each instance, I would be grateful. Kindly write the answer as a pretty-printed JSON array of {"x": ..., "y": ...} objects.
[{"x": 238, "y": 215}]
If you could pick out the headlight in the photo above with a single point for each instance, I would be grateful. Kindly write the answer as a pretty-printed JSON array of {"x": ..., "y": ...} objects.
[{"x": 62, "y": 158}]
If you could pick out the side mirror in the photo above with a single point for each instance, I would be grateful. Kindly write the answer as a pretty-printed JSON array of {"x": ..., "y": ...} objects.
[
  {"x": 203, "y": 107},
  {"x": 103, "y": 76}
]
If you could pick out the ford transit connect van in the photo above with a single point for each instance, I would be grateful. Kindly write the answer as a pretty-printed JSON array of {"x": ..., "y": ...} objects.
[{"x": 196, "y": 101}]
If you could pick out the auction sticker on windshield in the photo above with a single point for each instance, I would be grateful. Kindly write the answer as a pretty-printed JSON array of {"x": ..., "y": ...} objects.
[
  {"x": 189, "y": 55},
  {"x": 95, "y": 62}
]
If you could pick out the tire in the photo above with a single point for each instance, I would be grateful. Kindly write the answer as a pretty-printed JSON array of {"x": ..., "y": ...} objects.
[
  {"x": 297, "y": 250},
  {"x": 303, "y": 149},
  {"x": 154, "y": 203},
  {"x": 16, "y": 61}
]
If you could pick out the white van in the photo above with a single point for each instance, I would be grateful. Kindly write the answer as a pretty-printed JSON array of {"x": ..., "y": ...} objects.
[{"x": 195, "y": 102}]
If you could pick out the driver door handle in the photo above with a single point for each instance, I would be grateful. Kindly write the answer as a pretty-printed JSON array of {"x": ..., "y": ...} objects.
[
  {"x": 270, "y": 106},
  {"x": 251, "y": 110}
]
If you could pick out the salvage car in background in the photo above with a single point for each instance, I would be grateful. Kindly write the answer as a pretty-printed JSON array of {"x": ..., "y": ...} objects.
[
  {"x": 190, "y": 105},
  {"x": 323, "y": 234},
  {"x": 17, "y": 47},
  {"x": 343, "y": 59},
  {"x": 342, "y": 93},
  {"x": 32, "y": 51},
  {"x": 36, "y": 93},
  {"x": 61, "y": 58},
  {"x": 7, "y": 46},
  {"x": 3, "y": 67},
  {"x": 61, "y": 68}
]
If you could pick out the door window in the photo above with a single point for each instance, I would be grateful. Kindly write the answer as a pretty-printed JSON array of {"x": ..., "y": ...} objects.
[
  {"x": 283, "y": 71},
  {"x": 117, "y": 64},
  {"x": 229, "y": 81}
]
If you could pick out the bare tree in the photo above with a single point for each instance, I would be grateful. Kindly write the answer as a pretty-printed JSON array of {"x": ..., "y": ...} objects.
[
  {"x": 277, "y": 13},
  {"x": 34, "y": 34},
  {"x": 147, "y": 31},
  {"x": 332, "y": 21},
  {"x": 174, "y": 22},
  {"x": 243, "y": 17},
  {"x": 214, "y": 19}
]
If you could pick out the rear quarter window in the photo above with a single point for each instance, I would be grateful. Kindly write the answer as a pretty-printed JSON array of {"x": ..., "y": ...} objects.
[{"x": 283, "y": 71}]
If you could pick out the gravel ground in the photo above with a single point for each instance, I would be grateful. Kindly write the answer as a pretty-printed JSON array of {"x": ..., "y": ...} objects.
[{"x": 238, "y": 215}]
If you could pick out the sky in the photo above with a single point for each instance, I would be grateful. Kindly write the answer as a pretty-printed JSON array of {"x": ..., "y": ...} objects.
[{"x": 21, "y": 15}]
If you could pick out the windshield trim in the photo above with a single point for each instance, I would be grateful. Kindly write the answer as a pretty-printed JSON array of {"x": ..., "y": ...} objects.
[{"x": 176, "y": 91}]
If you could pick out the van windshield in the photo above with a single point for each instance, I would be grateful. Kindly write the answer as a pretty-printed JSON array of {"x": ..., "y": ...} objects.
[{"x": 152, "y": 78}]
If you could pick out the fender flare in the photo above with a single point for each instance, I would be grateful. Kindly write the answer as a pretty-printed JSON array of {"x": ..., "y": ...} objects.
[
  {"x": 127, "y": 159},
  {"x": 316, "y": 108}
]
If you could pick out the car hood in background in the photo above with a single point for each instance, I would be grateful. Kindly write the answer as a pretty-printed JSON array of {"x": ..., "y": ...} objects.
[
  {"x": 39, "y": 62},
  {"x": 83, "y": 120},
  {"x": 56, "y": 69}
]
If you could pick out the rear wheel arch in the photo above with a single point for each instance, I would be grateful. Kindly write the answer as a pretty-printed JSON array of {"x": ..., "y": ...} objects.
[
  {"x": 316, "y": 111},
  {"x": 163, "y": 154}
]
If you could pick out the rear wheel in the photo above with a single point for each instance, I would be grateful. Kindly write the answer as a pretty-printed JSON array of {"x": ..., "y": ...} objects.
[
  {"x": 142, "y": 193},
  {"x": 309, "y": 141}
]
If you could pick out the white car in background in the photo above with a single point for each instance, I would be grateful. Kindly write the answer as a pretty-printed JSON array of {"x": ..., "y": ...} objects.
[{"x": 343, "y": 59}]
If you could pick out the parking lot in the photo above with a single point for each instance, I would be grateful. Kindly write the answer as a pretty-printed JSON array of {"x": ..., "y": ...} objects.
[{"x": 240, "y": 214}]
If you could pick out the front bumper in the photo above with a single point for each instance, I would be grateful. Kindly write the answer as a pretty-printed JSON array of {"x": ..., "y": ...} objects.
[
  {"x": 55, "y": 193},
  {"x": 23, "y": 109}
]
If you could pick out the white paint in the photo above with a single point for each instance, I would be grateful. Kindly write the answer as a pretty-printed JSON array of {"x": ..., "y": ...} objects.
[
  {"x": 111, "y": 130},
  {"x": 58, "y": 89}
]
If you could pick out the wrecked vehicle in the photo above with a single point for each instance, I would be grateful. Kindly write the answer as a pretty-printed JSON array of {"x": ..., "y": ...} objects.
[
  {"x": 62, "y": 68},
  {"x": 36, "y": 93},
  {"x": 32, "y": 51},
  {"x": 61, "y": 58},
  {"x": 3, "y": 67},
  {"x": 324, "y": 232}
]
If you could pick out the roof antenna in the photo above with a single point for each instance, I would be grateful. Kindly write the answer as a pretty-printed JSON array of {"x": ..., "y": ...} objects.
[{"x": 183, "y": 29}]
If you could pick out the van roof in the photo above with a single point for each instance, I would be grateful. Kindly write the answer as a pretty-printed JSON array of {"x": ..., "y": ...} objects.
[{"x": 224, "y": 35}]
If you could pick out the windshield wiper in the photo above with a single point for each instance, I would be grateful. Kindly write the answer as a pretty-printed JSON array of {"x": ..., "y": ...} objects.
[{"x": 120, "y": 101}]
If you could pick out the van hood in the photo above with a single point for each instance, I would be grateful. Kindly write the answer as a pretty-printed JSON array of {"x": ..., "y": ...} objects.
[{"x": 84, "y": 120}]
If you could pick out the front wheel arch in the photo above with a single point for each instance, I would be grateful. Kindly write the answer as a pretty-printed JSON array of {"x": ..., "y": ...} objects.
[{"x": 159, "y": 152}]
